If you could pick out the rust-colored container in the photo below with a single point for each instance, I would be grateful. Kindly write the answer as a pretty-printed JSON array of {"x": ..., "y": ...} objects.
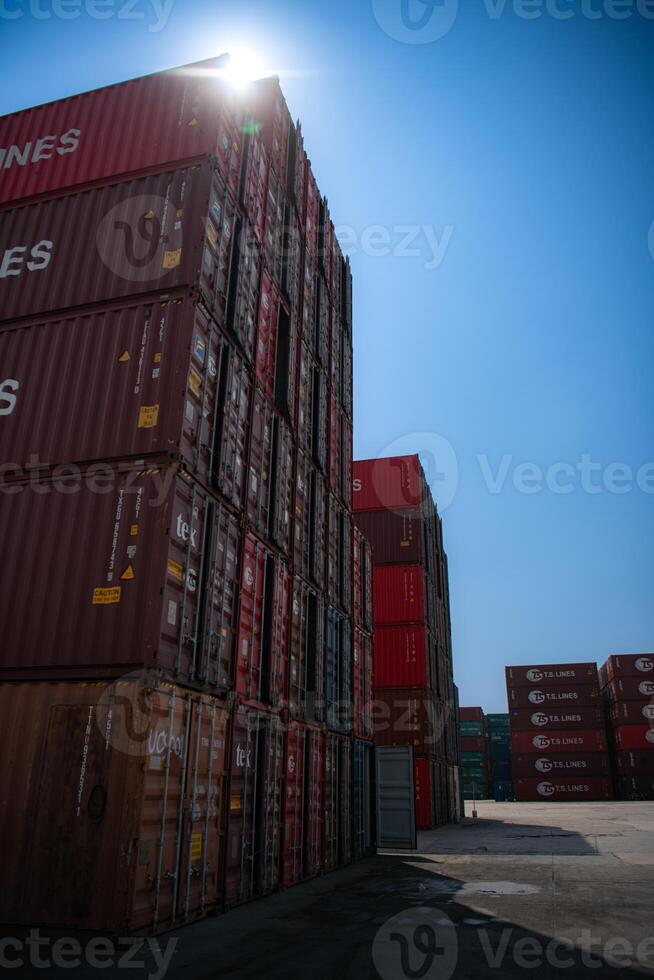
[
  {"x": 399, "y": 594},
  {"x": 270, "y": 474},
  {"x": 630, "y": 665},
  {"x": 387, "y": 484},
  {"x": 361, "y": 581},
  {"x": 396, "y": 536},
  {"x": 546, "y": 718},
  {"x": 310, "y": 521},
  {"x": 362, "y": 684},
  {"x": 559, "y": 675},
  {"x": 632, "y": 712},
  {"x": 133, "y": 381},
  {"x": 114, "y": 570},
  {"x": 576, "y": 741},
  {"x": 539, "y": 765},
  {"x": 561, "y": 790},
  {"x": 409, "y": 717},
  {"x": 255, "y": 805},
  {"x": 339, "y": 554},
  {"x": 404, "y": 657},
  {"x": 473, "y": 743},
  {"x": 303, "y": 804},
  {"x": 262, "y": 658},
  {"x": 631, "y": 689},
  {"x": 471, "y": 714},
  {"x": 111, "y": 805},
  {"x": 307, "y": 653},
  {"x": 634, "y": 736},
  {"x": 312, "y": 414},
  {"x": 336, "y": 448},
  {"x": 158, "y": 235},
  {"x": 556, "y": 696},
  {"x": 149, "y": 122},
  {"x": 337, "y": 825}
]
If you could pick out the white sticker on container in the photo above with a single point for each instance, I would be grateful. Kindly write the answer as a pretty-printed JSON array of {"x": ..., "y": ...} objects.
[
  {"x": 172, "y": 612},
  {"x": 190, "y": 412}
]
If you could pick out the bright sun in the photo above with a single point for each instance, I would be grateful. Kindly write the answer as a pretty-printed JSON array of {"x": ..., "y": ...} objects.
[{"x": 243, "y": 67}]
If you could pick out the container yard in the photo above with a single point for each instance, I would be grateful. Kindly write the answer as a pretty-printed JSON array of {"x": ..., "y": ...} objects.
[{"x": 325, "y": 594}]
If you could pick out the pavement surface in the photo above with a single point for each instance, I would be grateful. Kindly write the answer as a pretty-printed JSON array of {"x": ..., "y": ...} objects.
[{"x": 532, "y": 890}]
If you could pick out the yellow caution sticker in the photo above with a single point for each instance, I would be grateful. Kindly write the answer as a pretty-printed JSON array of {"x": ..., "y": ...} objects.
[
  {"x": 106, "y": 597},
  {"x": 172, "y": 258},
  {"x": 124, "y": 357},
  {"x": 405, "y": 543},
  {"x": 193, "y": 122},
  {"x": 235, "y": 802},
  {"x": 149, "y": 214},
  {"x": 175, "y": 569},
  {"x": 133, "y": 530},
  {"x": 194, "y": 382},
  {"x": 148, "y": 416},
  {"x": 128, "y": 574},
  {"x": 196, "y": 847},
  {"x": 157, "y": 357},
  {"x": 179, "y": 213}
]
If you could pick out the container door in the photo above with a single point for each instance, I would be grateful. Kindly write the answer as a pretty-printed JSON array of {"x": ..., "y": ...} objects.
[
  {"x": 396, "y": 821},
  {"x": 344, "y": 801},
  {"x": 269, "y": 783},
  {"x": 315, "y": 769},
  {"x": 296, "y": 803},
  {"x": 331, "y": 803},
  {"x": 239, "y": 858}
]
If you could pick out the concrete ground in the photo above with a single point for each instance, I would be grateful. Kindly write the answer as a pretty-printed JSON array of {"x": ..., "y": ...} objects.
[{"x": 495, "y": 896}]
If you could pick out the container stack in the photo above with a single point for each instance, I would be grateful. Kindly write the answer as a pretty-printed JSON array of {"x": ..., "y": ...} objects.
[
  {"x": 414, "y": 688},
  {"x": 176, "y": 415},
  {"x": 558, "y": 742},
  {"x": 474, "y": 754},
  {"x": 627, "y": 682},
  {"x": 498, "y": 733}
]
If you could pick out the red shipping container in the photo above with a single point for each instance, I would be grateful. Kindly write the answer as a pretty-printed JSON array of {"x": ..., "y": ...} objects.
[
  {"x": 303, "y": 804},
  {"x": 405, "y": 716},
  {"x": 345, "y": 489},
  {"x": 338, "y": 802},
  {"x": 262, "y": 661},
  {"x": 632, "y": 712},
  {"x": 581, "y": 695},
  {"x": 300, "y": 175},
  {"x": 306, "y": 652},
  {"x": 635, "y": 762},
  {"x": 424, "y": 793},
  {"x": 634, "y": 737},
  {"x": 631, "y": 689},
  {"x": 161, "y": 234},
  {"x": 399, "y": 594},
  {"x": 312, "y": 219},
  {"x": 266, "y": 357},
  {"x": 535, "y": 765},
  {"x": 577, "y": 741},
  {"x": 603, "y": 674},
  {"x": 396, "y": 536},
  {"x": 254, "y": 191},
  {"x": 471, "y": 714},
  {"x": 259, "y": 496},
  {"x": 335, "y": 445},
  {"x": 274, "y": 229},
  {"x": 386, "y": 484},
  {"x": 559, "y": 675},
  {"x": 255, "y": 806},
  {"x": 362, "y": 689},
  {"x": 147, "y": 123},
  {"x": 557, "y": 719},
  {"x": 152, "y": 379},
  {"x": 636, "y": 787},
  {"x": 157, "y": 588},
  {"x": 111, "y": 803},
  {"x": 312, "y": 415},
  {"x": 403, "y": 657},
  {"x": 272, "y": 120},
  {"x": 473, "y": 743},
  {"x": 320, "y": 317},
  {"x": 310, "y": 517},
  {"x": 630, "y": 665},
  {"x": 560, "y": 790}
]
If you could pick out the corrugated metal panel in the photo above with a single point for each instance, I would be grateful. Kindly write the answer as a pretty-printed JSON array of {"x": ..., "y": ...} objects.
[
  {"x": 386, "y": 484},
  {"x": 560, "y": 741},
  {"x": 157, "y": 588},
  {"x": 303, "y": 807},
  {"x": 338, "y": 801},
  {"x": 159, "y": 234},
  {"x": 396, "y": 820},
  {"x": 254, "y": 188},
  {"x": 363, "y": 684},
  {"x": 630, "y": 665},
  {"x": 160, "y": 119},
  {"x": 632, "y": 712},
  {"x": 573, "y": 764},
  {"x": 402, "y": 657},
  {"x": 307, "y": 653},
  {"x": 636, "y": 761},
  {"x": 630, "y": 689},
  {"x": 424, "y": 789},
  {"x": 273, "y": 237},
  {"x": 557, "y": 719},
  {"x": 362, "y": 790},
  {"x": 557, "y": 696},
  {"x": 408, "y": 717},
  {"x": 110, "y": 804},
  {"x": 551, "y": 674},
  {"x": 636, "y": 787},
  {"x": 396, "y": 536},
  {"x": 338, "y": 672},
  {"x": 399, "y": 594},
  {"x": 634, "y": 737},
  {"x": 312, "y": 217},
  {"x": 273, "y": 121}
]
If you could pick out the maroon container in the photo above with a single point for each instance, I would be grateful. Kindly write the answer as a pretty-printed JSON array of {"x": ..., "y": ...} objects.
[
  {"x": 634, "y": 737},
  {"x": 631, "y": 689},
  {"x": 160, "y": 234},
  {"x": 408, "y": 717},
  {"x": 569, "y": 764},
  {"x": 632, "y": 712},
  {"x": 636, "y": 787},
  {"x": 310, "y": 518},
  {"x": 303, "y": 804},
  {"x": 471, "y": 714},
  {"x": 561, "y": 790},
  {"x": 399, "y": 594},
  {"x": 262, "y": 654},
  {"x": 559, "y": 675},
  {"x": 404, "y": 657},
  {"x": 582, "y": 695},
  {"x": 557, "y": 742},
  {"x": 272, "y": 120},
  {"x": 127, "y": 568},
  {"x": 362, "y": 684},
  {"x": 306, "y": 652},
  {"x": 396, "y": 536},
  {"x": 336, "y": 449},
  {"x": 630, "y": 665},
  {"x": 382, "y": 484},
  {"x": 555, "y": 719},
  {"x": 635, "y": 762},
  {"x": 133, "y": 381},
  {"x": 337, "y": 827},
  {"x": 312, "y": 414},
  {"x": 150, "y": 122},
  {"x": 255, "y": 805},
  {"x": 473, "y": 743}
]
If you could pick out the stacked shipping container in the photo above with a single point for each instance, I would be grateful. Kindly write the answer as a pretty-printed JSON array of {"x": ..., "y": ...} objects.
[
  {"x": 558, "y": 743},
  {"x": 498, "y": 733},
  {"x": 176, "y": 429},
  {"x": 474, "y": 754},
  {"x": 414, "y": 688},
  {"x": 627, "y": 682}
]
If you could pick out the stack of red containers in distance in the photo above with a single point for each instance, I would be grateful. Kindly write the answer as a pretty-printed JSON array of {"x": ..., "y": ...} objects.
[
  {"x": 627, "y": 682},
  {"x": 558, "y": 741},
  {"x": 176, "y": 428},
  {"x": 414, "y": 688}
]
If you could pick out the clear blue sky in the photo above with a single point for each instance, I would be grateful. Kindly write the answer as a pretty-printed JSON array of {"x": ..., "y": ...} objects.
[{"x": 532, "y": 142}]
